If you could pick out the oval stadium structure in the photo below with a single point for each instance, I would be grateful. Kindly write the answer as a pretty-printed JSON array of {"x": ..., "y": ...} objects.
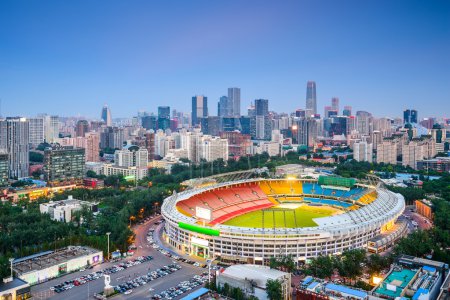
[{"x": 252, "y": 220}]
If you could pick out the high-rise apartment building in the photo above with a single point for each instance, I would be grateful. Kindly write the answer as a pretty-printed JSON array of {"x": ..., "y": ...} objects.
[
  {"x": 4, "y": 167},
  {"x": 51, "y": 128},
  {"x": 311, "y": 99},
  {"x": 131, "y": 156},
  {"x": 362, "y": 151},
  {"x": 106, "y": 115},
  {"x": 212, "y": 148},
  {"x": 112, "y": 137},
  {"x": 364, "y": 124},
  {"x": 92, "y": 146},
  {"x": 82, "y": 128},
  {"x": 238, "y": 143},
  {"x": 199, "y": 109},
  {"x": 14, "y": 138},
  {"x": 234, "y": 101},
  {"x": 36, "y": 131},
  {"x": 412, "y": 153},
  {"x": 387, "y": 152},
  {"x": 64, "y": 165}
]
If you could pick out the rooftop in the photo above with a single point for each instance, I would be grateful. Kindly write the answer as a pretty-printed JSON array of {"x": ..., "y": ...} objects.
[
  {"x": 15, "y": 283},
  {"x": 393, "y": 285},
  {"x": 260, "y": 274},
  {"x": 46, "y": 259}
]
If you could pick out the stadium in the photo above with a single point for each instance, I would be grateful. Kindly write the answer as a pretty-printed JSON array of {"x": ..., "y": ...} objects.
[{"x": 252, "y": 220}]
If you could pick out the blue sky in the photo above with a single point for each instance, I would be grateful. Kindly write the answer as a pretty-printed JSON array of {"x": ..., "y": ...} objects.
[{"x": 71, "y": 57}]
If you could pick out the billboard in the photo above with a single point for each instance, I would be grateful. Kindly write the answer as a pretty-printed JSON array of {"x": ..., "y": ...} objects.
[{"x": 203, "y": 213}]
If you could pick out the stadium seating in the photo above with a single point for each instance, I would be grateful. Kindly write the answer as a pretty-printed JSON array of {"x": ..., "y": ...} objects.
[
  {"x": 328, "y": 202},
  {"x": 282, "y": 187},
  {"x": 227, "y": 203}
]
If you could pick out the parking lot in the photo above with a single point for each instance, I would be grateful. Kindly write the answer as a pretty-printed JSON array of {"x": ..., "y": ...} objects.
[{"x": 129, "y": 270}]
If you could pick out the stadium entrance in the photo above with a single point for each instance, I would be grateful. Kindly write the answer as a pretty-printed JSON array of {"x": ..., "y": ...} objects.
[{"x": 199, "y": 247}]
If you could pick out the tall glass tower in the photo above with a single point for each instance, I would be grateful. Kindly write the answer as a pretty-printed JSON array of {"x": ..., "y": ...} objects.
[{"x": 311, "y": 99}]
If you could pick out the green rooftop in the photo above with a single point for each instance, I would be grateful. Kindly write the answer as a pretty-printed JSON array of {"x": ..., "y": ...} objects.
[{"x": 400, "y": 279}]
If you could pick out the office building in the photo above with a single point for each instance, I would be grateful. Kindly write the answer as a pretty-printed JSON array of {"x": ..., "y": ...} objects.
[
  {"x": 234, "y": 101},
  {"x": 36, "y": 131},
  {"x": 335, "y": 104},
  {"x": 163, "y": 117},
  {"x": 199, "y": 109},
  {"x": 223, "y": 109},
  {"x": 311, "y": 99},
  {"x": 262, "y": 121},
  {"x": 149, "y": 122},
  {"x": 64, "y": 165},
  {"x": 106, "y": 115},
  {"x": 410, "y": 116},
  {"x": 347, "y": 111}
]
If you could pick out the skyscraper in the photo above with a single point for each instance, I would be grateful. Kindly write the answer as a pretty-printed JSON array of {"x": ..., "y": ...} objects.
[
  {"x": 234, "y": 101},
  {"x": 311, "y": 98},
  {"x": 223, "y": 107},
  {"x": 261, "y": 107},
  {"x": 409, "y": 116},
  {"x": 106, "y": 115},
  {"x": 51, "y": 128},
  {"x": 199, "y": 109},
  {"x": 262, "y": 121},
  {"x": 163, "y": 117},
  {"x": 347, "y": 111},
  {"x": 335, "y": 104}
]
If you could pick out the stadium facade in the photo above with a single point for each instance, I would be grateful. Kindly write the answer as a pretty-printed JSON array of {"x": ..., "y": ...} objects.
[{"x": 196, "y": 220}]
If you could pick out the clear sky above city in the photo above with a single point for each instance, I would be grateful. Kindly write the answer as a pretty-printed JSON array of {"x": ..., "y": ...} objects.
[{"x": 71, "y": 57}]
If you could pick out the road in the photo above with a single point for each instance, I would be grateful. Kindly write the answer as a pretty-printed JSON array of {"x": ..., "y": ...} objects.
[{"x": 87, "y": 291}]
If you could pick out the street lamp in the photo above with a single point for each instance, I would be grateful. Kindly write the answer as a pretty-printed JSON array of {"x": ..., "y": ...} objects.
[
  {"x": 107, "y": 234},
  {"x": 11, "y": 262},
  {"x": 209, "y": 262}
]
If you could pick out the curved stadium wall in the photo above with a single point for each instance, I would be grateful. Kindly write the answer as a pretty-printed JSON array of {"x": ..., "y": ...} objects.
[{"x": 351, "y": 229}]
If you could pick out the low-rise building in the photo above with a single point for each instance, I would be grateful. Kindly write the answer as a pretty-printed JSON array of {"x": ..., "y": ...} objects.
[
  {"x": 127, "y": 172},
  {"x": 438, "y": 164},
  {"x": 424, "y": 208},
  {"x": 46, "y": 265},
  {"x": 13, "y": 288},
  {"x": 63, "y": 211},
  {"x": 412, "y": 278},
  {"x": 252, "y": 279}
]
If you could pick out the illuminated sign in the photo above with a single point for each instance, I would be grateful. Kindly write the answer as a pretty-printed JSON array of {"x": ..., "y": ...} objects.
[
  {"x": 130, "y": 177},
  {"x": 204, "y": 230},
  {"x": 199, "y": 242},
  {"x": 203, "y": 213}
]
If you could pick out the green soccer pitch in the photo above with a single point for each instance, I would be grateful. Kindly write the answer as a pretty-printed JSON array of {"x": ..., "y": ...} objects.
[{"x": 282, "y": 217}]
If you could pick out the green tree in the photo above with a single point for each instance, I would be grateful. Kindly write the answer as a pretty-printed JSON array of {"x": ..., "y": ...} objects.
[{"x": 273, "y": 289}]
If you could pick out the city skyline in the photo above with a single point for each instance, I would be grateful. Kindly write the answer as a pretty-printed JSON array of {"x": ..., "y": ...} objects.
[{"x": 380, "y": 65}]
